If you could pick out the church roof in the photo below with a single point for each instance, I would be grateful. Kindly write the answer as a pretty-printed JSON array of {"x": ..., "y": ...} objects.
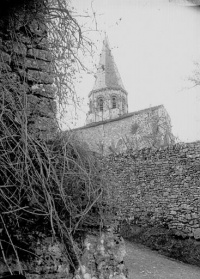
[
  {"x": 107, "y": 76},
  {"x": 94, "y": 124}
]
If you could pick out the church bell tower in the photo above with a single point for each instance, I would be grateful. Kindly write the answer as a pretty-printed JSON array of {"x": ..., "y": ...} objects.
[{"x": 108, "y": 98}]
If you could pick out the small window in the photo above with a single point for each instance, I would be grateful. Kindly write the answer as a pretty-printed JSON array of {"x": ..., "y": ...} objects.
[
  {"x": 123, "y": 105},
  {"x": 114, "y": 102},
  {"x": 134, "y": 128},
  {"x": 120, "y": 146},
  {"x": 100, "y": 104},
  {"x": 90, "y": 105}
]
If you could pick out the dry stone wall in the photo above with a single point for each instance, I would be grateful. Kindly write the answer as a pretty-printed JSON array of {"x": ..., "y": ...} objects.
[
  {"x": 158, "y": 186},
  {"x": 103, "y": 257}
]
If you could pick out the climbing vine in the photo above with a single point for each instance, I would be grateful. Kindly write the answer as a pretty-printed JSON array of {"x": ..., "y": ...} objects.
[{"x": 47, "y": 187}]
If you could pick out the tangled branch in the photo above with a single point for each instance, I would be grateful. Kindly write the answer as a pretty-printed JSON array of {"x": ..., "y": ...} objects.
[{"x": 54, "y": 187}]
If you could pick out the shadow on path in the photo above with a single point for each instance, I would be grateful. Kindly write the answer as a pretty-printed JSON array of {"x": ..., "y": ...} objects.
[{"x": 144, "y": 263}]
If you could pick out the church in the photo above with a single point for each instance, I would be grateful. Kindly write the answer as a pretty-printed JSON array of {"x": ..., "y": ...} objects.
[{"x": 109, "y": 126}]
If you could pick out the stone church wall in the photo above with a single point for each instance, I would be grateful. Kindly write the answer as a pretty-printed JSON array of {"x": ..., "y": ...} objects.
[
  {"x": 149, "y": 127},
  {"x": 158, "y": 186},
  {"x": 95, "y": 115}
]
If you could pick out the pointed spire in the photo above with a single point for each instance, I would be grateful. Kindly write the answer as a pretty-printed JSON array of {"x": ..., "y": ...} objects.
[{"x": 107, "y": 75}]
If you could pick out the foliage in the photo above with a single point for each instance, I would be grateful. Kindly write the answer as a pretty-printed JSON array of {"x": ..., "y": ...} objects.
[
  {"x": 164, "y": 240},
  {"x": 67, "y": 43},
  {"x": 134, "y": 128},
  {"x": 195, "y": 78},
  {"x": 157, "y": 133}
]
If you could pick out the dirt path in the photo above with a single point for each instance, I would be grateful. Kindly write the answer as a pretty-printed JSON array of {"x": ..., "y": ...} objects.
[{"x": 144, "y": 263}]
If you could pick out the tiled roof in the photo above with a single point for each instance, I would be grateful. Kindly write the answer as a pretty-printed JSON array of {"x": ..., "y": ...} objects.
[{"x": 94, "y": 124}]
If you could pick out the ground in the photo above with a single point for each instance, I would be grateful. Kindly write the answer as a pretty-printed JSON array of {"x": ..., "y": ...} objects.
[{"x": 145, "y": 263}]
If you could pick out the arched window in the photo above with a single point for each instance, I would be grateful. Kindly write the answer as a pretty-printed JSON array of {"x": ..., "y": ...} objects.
[
  {"x": 120, "y": 146},
  {"x": 114, "y": 102},
  {"x": 90, "y": 105},
  {"x": 100, "y": 104},
  {"x": 123, "y": 105}
]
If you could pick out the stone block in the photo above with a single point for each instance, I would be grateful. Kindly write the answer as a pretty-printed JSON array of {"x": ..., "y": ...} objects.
[
  {"x": 188, "y": 216},
  {"x": 24, "y": 39},
  {"x": 38, "y": 26},
  {"x": 47, "y": 91},
  {"x": 10, "y": 77},
  {"x": 194, "y": 215},
  {"x": 102, "y": 257},
  {"x": 40, "y": 43},
  {"x": 40, "y": 54},
  {"x": 5, "y": 57},
  {"x": 15, "y": 48},
  {"x": 196, "y": 233},
  {"x": 39, "y": 77},
  {"x": 172, "y": 212},
  {"x": 4, "y": 67},
  {"x": 40, "y": 106},
  {"x": 43, "y": 128},
  {"x": 19, "y": 48},
  {"x": 34, "y": 64}
]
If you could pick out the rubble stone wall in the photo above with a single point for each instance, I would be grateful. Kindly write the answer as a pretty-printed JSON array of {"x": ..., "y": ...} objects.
[
  {"x": 27, "y": 104},
  {"x": 27, "y": 101},
  {"x": 49, "y": 261},
  {"x": 158, "y": 186},
  {"x": 26, "y": 76},
  {"x": 103, "y": 257},
  {"x": 145, "y": 128}
]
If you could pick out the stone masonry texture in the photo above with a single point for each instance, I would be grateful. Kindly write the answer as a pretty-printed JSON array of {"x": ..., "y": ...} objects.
[
  {"x": 157, "y": 186},
  {"x": 50, "y": 261},
  {"x": 103, "y": 257},
  {"x": 26, "y": 69},
  {"x": 145, "y": 128},
  {"x": 27, "y": 104},
  {"x": 27, "y": 101}
]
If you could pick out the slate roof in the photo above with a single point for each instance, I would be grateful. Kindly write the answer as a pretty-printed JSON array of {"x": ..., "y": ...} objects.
[{"x": 107, "y": 76}]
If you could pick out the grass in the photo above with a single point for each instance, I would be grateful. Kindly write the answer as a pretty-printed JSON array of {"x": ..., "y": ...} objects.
[{"x": 165, "y": 241}]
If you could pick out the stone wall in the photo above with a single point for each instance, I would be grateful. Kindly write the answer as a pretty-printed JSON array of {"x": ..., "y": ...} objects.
[
  {"x": 103, "y": 257},
  {"x": 26, "y": 69},
  {"x": 158, "y": 186},
  {"x": 49, "y": 260},
  {"x": 27, "y": 101},
  {"x": 27, "y": 104},
  {"x": 149, "y": 127}
]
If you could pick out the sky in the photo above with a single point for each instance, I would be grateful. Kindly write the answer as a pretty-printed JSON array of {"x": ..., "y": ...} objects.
[{"x": 155, "y": 44}]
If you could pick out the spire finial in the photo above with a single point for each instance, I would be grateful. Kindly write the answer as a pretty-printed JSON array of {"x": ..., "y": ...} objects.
[{"x": 105, "y": 38}]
